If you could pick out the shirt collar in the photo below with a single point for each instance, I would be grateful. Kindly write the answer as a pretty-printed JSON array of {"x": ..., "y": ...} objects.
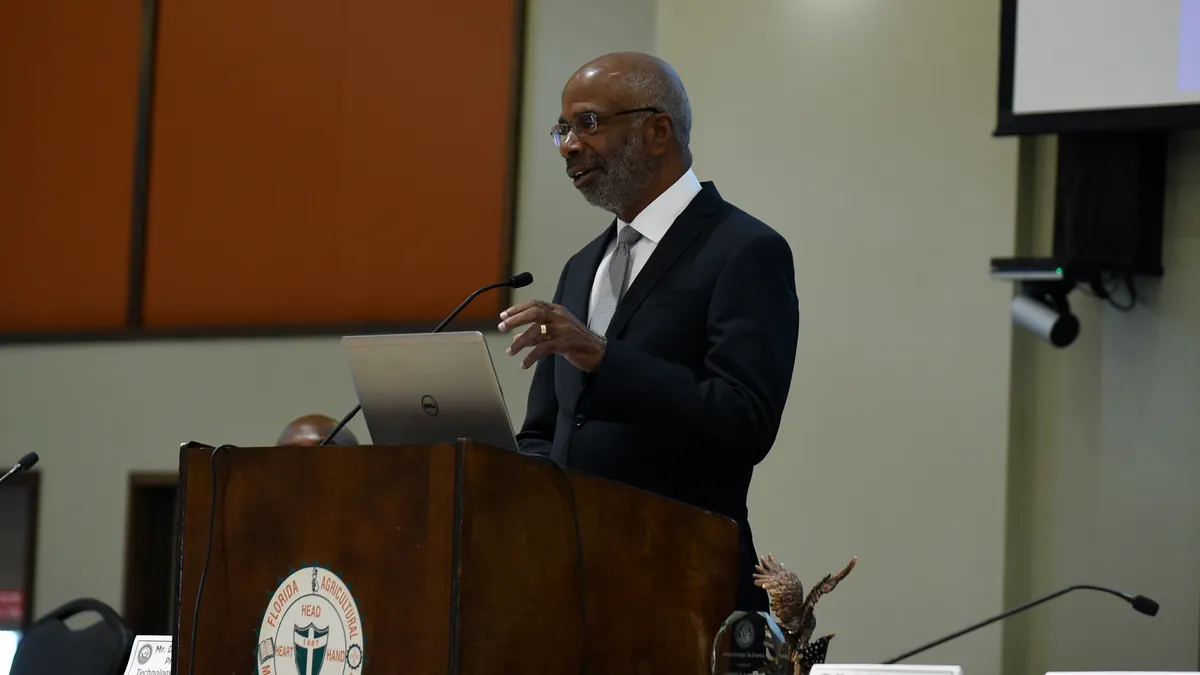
[{"x": 654, "y": 221}]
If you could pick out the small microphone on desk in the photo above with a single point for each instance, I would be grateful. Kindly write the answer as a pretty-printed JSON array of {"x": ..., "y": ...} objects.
[
  {"x": 24, "y": 464},
  {"x": 1140, "y": 602},
  {"x": 519, "y": 281}
]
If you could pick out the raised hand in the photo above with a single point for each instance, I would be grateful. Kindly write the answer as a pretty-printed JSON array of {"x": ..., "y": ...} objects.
[{"x": 552, "y": 330}]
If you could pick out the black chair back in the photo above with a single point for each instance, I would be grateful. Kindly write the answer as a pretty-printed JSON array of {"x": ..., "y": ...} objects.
[{"x": 50, "y": 647}]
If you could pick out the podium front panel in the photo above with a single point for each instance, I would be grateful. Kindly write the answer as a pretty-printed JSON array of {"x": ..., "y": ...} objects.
[
  {"x": 452, "y": 559},
  {"x": 364, "y": 533}
]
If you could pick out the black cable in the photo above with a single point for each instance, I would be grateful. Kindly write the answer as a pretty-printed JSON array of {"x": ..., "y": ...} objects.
[
  {"x": 212, "y": 516},
  {"x": 583, "y": 621},
  {"x": 340, "y": 425},
  {"x": 1102, "y": 288},
  {"x": 1127, "y": 280}
]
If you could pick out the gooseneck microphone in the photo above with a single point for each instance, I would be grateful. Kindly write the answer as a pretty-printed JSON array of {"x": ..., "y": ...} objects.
[
  {"x": 1140, "y": 602},
  {"x": 24, "y": 464},
  {"x": 519, "y": 281}
]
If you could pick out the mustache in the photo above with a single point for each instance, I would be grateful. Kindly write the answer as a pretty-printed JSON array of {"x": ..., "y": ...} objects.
[{"x": 585, "y": 164}]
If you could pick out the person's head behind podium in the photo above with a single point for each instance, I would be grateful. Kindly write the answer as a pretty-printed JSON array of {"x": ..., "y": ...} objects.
[{"x": 312, "y": 429}]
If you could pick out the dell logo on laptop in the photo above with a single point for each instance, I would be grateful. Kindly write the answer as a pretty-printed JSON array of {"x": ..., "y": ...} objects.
[{"x": 429, "y": 405}]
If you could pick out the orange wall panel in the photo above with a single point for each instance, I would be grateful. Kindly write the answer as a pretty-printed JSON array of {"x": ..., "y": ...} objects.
[
  {"x": 68, "y": 83},
  {"x": 326, "y": 162}
]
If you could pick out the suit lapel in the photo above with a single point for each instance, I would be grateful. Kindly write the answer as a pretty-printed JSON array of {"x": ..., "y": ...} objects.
[
  {"x": 577, "y": 296},
  {"x": 679, "y": 237}
]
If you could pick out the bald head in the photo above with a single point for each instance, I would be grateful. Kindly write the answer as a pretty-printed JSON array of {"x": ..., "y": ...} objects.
[
  {"x": 639, "y": 80},
  {"x": 312, "y": 429}
]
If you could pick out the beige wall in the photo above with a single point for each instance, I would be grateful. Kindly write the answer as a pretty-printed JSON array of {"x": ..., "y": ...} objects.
[
  {"x": 861, "y": 130},
  {"x": 1106, "y": 456}
]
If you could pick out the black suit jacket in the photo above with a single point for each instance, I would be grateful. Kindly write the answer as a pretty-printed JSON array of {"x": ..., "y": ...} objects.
[{"x": 689, "y": 395}]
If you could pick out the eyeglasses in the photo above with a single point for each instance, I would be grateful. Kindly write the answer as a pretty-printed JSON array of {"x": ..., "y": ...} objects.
[{"x": 587, "y": 123}]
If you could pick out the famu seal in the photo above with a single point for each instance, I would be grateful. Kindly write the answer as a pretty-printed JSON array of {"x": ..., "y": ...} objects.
[{"x": 311, "y": 627}]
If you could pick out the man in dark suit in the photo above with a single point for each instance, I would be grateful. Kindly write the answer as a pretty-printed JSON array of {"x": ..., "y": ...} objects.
[{"x": 665, "y": 358}]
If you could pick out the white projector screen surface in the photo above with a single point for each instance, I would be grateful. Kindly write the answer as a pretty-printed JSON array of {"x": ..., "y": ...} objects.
[{"x": 1087, "y": 55}]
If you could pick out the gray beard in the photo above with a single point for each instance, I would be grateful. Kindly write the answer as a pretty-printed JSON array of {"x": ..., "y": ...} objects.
[{"x": 628, "y": 173}]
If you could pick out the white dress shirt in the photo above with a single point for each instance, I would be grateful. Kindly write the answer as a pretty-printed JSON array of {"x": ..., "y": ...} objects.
[{"x": 653, "y": 223}]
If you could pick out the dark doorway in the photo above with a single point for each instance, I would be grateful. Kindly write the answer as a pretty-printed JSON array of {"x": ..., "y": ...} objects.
[
  {"x": 18, "y": 531},
  {"x": 18, "y": 559},
  {"x": 149, "y": 553}
]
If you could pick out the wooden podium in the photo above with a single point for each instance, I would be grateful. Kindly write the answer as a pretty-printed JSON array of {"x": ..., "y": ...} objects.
[{"x": 455, "y": 559}]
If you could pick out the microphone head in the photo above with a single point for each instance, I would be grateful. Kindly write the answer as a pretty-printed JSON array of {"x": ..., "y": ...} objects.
[
  {"x": 26, "y": 463},
  {"x": 1144, "y": 605},
  {"x": 521, "y": 280}
]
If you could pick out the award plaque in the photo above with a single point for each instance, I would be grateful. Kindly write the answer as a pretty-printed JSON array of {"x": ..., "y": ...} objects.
[
  {"x": 778, "y": 642},
  {"x": 750, "y": 642}
]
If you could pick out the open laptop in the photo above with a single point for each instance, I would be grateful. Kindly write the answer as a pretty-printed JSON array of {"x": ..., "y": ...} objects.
[{"x": 428, "y": 388}]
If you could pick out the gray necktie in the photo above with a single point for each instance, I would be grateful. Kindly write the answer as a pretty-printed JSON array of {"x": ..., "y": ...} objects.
[{"x": 615, "y": 283}]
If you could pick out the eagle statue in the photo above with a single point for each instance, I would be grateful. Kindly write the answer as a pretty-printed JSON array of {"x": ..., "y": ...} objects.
[{"x": 794, "y": 611}]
